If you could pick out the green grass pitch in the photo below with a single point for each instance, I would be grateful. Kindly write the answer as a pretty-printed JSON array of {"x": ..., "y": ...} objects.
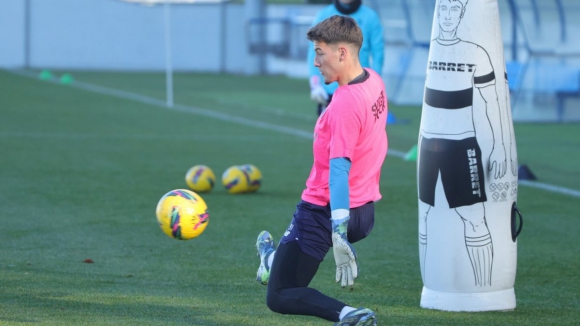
[{"x": 81, "y": 173}]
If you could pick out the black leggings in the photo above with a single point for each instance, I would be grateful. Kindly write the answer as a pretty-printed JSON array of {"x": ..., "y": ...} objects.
[{"x": 288, "y": 291}]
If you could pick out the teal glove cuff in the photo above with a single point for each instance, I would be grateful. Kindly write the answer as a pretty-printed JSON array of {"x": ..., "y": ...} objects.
[{"x": 340, "y": 226}]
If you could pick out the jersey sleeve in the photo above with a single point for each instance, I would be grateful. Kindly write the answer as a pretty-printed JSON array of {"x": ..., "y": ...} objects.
[{"x": 484, "y": 74}]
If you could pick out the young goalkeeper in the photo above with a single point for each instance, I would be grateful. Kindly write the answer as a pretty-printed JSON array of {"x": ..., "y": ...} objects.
[{"x": 337, "y": 206}]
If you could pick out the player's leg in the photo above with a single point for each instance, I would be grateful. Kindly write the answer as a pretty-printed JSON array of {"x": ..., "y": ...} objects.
[
  {"x": 361, "y": 223},
  {"x": 296, "y": 261},
  {"x": 478, "y": 242},
  {"x": 288, "y": 291},
  {"x": 301, "y": 249}
]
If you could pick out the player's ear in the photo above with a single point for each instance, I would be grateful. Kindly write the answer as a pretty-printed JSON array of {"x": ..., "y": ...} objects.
[{"x": 342, "y": 50}]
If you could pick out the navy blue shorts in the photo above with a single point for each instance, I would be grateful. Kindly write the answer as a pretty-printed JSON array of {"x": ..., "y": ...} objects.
[{"x": 311, "y": 227}]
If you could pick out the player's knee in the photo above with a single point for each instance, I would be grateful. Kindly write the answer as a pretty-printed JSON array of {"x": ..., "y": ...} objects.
[{"x": 274, "y": 302}]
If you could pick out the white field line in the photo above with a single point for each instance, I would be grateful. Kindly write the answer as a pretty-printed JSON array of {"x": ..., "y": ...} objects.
[
  {"x": 247, "y": 122},
  {"x": 549, "y": 187},
  {"x": 268, "y": 110}
]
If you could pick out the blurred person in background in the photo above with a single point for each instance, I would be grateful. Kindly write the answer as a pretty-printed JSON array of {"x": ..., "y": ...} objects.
[{"x": 371, "y": 54}]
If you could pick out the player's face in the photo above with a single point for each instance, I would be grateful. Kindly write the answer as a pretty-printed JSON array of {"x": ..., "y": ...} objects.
[
  {"x": 449, "y": 13},
  {"x": 327, "y": 61}
]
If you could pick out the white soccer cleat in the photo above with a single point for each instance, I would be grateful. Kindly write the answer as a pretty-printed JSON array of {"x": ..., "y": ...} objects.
[
  {"x": 265, "y": 246},
  {"x": 359, "y": 317}
]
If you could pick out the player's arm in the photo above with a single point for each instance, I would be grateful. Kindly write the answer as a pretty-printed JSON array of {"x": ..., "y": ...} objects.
[
  {"x": 377, "y": 41},
  {"x": 344, "y": 252},
  {"x": 497, "y": 158}
]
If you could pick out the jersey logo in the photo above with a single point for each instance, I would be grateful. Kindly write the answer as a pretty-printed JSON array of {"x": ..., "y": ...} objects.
[
  {"x": 451, "y": 66},
  {"x": 472, "y": 157},
  {"x": 379, "y": 107}
]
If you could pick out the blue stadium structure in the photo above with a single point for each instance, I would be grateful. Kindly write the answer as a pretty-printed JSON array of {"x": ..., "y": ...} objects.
[{"x": 543, "y": 61}]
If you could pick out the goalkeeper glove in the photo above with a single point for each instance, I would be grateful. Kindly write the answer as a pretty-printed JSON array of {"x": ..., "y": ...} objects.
[
  {"x": 344, "y": 253},
  {"x": 317, "y": 93}
]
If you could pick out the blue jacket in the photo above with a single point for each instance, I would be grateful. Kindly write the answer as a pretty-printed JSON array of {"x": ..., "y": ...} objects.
[{"x": 373, "y": 41}]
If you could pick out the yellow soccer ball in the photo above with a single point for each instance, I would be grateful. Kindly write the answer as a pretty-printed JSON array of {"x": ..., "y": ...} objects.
[
  {"x": 235, "y": 180},
  {"x": 200, "y": 178},
  {"x": 254, "y": 176},
  {"x": 182, "y": 214}
]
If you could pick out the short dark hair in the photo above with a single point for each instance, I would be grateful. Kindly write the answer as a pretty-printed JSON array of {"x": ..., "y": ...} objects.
[{"x": 336, "y": 29}]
